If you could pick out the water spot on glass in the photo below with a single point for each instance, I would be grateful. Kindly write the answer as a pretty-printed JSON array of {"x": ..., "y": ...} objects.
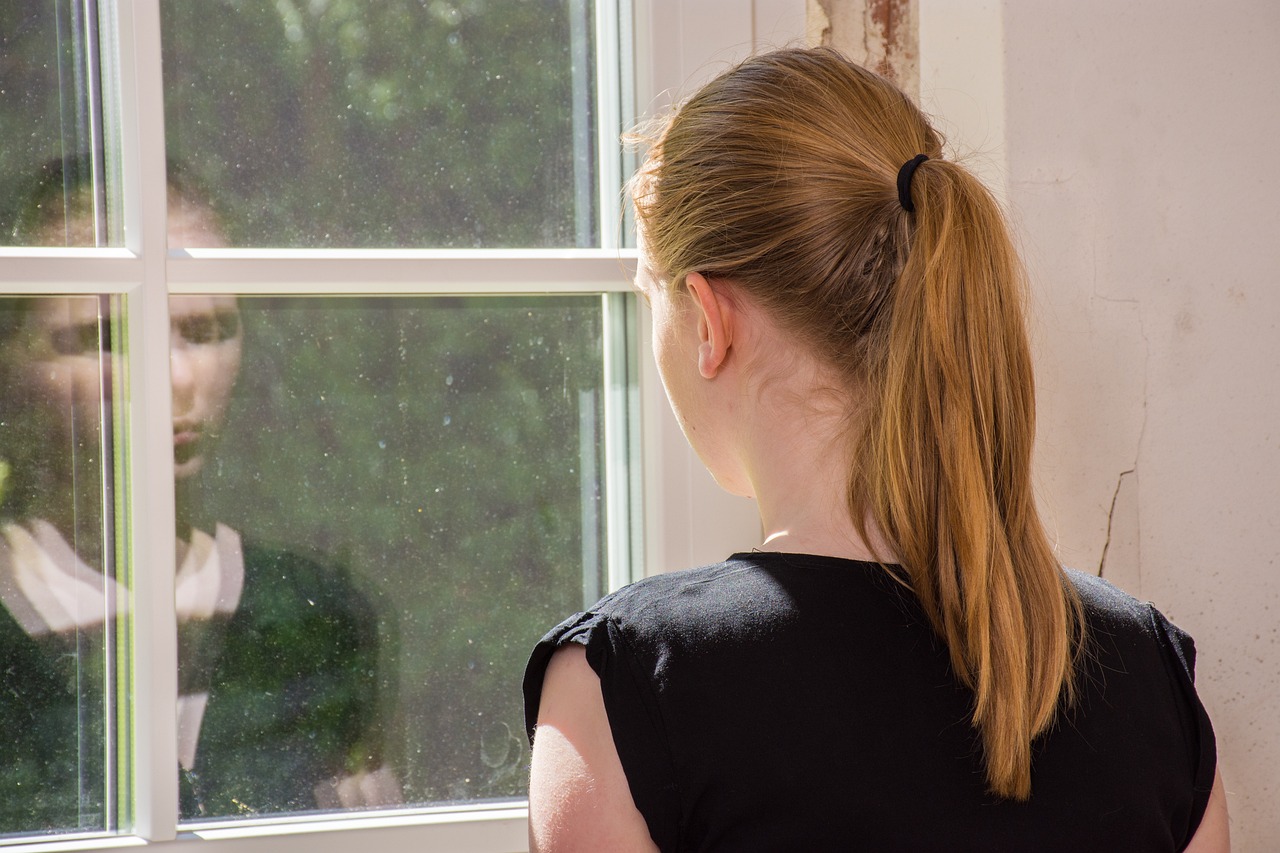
[{"x": 448, "y": 380}]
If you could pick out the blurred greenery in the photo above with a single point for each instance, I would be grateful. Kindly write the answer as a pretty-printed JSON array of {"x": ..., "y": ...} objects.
[
  {"x": 436, "y": 445},
  {"x": 396, "y": 123},
  {"x": 318, "y": 123},
  {"x": 44, "y": 100},
  {"x": 445, "y": 449}
]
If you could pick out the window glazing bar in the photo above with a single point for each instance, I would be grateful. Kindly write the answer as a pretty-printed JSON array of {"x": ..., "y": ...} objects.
[
  {"x": 613, "y": 78},
  {"x": 139, "y": 104}
]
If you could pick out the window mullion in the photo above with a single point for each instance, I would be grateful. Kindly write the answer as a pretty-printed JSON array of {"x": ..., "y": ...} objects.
[
  {"x": 255, "y": 272},
  {"x": 150, "y": 473},
  {"x": 613, "y": 73}
]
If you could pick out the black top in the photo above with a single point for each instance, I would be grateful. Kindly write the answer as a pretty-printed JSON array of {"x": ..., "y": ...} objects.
[
  {"x": 292, "y": 702},
  {"x": 293, "y": 698},
  {"x": 792, "y": 702}
]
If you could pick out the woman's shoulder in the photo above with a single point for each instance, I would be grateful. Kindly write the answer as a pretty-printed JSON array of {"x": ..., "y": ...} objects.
[
  {"x": 739, "y": 580},
  {"x": 1116, "y": 614},
  {"x": 726, "y": 576},
  {"x": 1127, "y": 634},
  {"x": 661, "y": 604},
  {"x": 750, "y": 594},
  {"x": 1105, "y": 600}
]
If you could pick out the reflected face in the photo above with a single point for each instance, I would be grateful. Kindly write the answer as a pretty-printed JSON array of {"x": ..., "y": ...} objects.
[
  {"x": 205, "y": 341},
  {"x": 192, "y": 225},
  {"x": 70, "y": 363},
  {"x": 70, "y": 368}
]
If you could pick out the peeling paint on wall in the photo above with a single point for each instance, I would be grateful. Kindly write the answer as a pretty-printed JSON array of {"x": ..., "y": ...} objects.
[{"x": 883, "y": 35}]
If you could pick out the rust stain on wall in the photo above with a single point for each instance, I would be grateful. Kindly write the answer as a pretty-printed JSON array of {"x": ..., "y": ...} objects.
[
  {"x": 883, "y": 35},
  {"x": 889, "y": 27}
]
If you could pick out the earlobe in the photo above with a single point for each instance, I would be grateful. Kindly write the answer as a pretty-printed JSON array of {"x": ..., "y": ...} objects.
[{"x": 715, "y": 324}]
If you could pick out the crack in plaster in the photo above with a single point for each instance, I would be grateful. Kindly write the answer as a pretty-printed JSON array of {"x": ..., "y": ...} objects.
[
  {"x": 1136, "y": 304},
  {"x": 1111, "y": 513}
]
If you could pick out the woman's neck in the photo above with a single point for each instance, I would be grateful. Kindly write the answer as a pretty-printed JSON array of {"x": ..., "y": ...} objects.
[
  {"x": 797, "y": 456},
  {"x": 805, "y": 509}
]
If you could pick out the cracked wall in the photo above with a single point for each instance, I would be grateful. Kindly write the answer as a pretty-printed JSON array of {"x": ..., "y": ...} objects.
[{"x": 1150, "y": 224}]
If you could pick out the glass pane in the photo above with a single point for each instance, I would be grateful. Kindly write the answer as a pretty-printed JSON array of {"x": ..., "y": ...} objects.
[
  {"x": 400, "y": 123},
  {"x": 50, "y": 125},
  {"x": 407, "y": 491},
  {"x": 61, "y": 600}
]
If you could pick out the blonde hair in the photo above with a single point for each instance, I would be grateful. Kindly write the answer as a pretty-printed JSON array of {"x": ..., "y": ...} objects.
[{"x": 780, "y": 177}]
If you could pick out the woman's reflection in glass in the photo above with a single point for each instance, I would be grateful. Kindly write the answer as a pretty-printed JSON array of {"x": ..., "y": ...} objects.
[{"x": 277, "y": 655}]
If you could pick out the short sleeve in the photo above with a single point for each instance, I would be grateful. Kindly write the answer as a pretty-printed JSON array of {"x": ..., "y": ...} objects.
[
  {"x": 635, "y": 718},
  {"x": 578, "y": 628},
  {"x": 1180, "y": 660}
]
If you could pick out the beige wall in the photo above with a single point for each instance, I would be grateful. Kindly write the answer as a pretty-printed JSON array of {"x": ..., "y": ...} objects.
[
  {"x": 1141, "y": 163},
  {"x": 1135, "y": 143}
]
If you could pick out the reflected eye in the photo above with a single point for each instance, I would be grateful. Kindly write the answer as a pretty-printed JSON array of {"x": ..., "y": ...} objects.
[
  {"x": 83, "y": 339},
  {"x": 208, "y": 328}
]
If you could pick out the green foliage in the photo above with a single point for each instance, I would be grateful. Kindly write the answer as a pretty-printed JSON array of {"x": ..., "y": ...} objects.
[
  {"x": 344, "y": 123},
  {"x": 436, "y": 446},
  {"x": 397, "y": 123},
  {"x": 44, "y": 100}
]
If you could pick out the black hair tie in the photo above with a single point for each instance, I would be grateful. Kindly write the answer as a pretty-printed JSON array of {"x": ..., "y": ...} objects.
[{"x": 905, "y": 174}]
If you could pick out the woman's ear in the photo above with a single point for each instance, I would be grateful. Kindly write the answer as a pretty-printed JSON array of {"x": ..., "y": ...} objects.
[{"x": 716, "y": 316}]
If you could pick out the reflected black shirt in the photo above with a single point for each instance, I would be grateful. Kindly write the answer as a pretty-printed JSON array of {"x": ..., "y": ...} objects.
[
  {"x": 792, "y": 702},
  {"x": 293, "y": 702},
  {"x": 293, "y": 694}
]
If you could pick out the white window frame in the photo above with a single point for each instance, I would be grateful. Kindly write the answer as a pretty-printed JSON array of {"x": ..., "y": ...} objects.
[{"x": 688, "y": 520}]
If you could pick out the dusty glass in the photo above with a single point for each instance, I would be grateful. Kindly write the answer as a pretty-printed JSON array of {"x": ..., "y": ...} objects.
[
  {"x": 401, "y": 123},
  {"x": 62, "y": 607},
  {"x": 414, "y": 487},
  {"x": 51, "y": 141}
]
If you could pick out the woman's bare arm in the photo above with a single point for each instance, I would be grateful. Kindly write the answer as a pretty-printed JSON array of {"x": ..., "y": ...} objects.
[
  {"x": 1214, "y": 835},
  {"x": 578, "y": 794}
]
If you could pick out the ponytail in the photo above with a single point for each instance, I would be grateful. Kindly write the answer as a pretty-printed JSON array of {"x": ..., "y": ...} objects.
[
  {"x": 943, "y": 468},
  {"x": 782, "y": 177}
]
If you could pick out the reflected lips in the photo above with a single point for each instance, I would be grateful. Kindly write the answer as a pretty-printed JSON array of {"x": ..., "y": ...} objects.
[{"x": 186, "y": 442}]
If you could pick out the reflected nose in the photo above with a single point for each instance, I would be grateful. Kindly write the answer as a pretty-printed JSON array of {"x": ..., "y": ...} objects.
[{"x": 182, "y": 379}]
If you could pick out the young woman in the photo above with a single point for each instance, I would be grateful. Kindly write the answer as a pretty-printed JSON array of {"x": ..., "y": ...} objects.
[{"x": 902, "y": 664}]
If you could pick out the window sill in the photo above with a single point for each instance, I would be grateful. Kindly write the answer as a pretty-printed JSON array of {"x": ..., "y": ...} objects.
[{"x": 468, "y": 829}]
